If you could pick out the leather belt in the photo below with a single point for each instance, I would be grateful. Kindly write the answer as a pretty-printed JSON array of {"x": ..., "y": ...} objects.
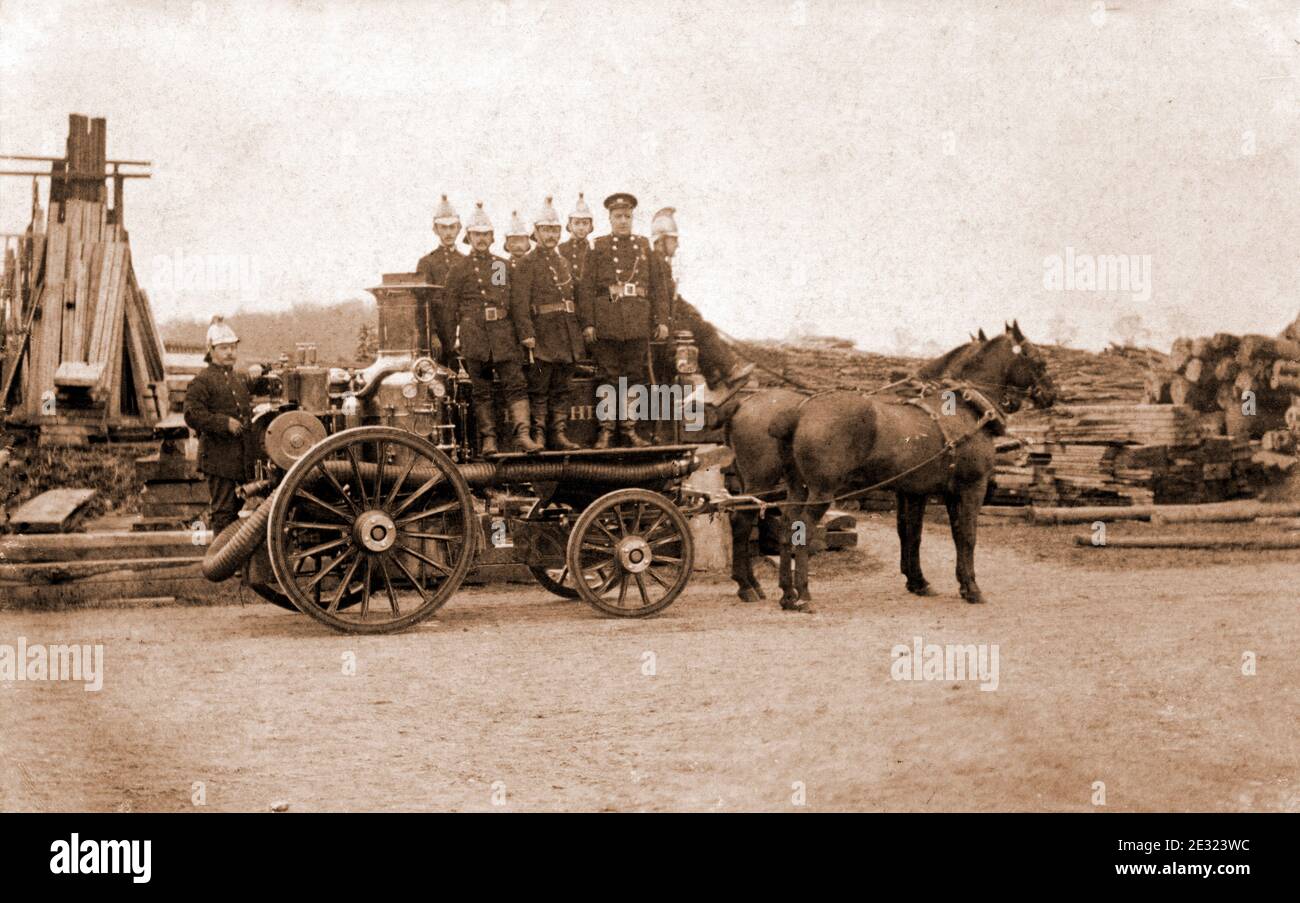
[
  {"x": 556, "y": 308},
  {"x": 620, "y": 291}
]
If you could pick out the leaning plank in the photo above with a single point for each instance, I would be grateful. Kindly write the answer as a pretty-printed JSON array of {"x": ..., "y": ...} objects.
[
  {"x": 74, "y": 374},
  {"x": 50, "y": 511},
  {"x": 1274, "y": 541}
]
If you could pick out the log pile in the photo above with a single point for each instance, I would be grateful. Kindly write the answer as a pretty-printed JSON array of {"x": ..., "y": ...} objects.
[
  {"x": 1253, "y": 380},
  {"x": 83, "y": 357},
  {"x": 1122, "y": 455}
]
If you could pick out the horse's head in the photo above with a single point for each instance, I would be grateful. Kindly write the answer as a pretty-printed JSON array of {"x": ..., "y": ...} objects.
[{"x": 1025, "y": 371}]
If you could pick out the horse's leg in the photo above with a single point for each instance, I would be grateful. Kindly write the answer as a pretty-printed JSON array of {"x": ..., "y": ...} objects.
[
  {"x": 963, "y": 517},
  {"x": 913, "y": 522},
  {"x": 812, "y": 514},
  {"x": 742, "y": 563}
]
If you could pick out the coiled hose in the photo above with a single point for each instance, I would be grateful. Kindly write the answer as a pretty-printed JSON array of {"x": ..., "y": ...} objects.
[
  {"x": 236, "y": 544},
  {"x": 486, "y": 473}
]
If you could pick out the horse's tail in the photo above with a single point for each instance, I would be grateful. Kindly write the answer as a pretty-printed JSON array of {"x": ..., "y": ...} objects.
[{"x": 784, "y": 424}]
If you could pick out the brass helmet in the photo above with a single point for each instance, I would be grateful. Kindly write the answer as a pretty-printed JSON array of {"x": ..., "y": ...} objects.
[
  {"x": 445, "y": 214},
  {"x": 547, "y": 216},
  {"x": 478, "y": 222},
  {"x": 581, "y": 210},
  {"x": 663, "y": 223},
  {"x": 517, "y": 227},
  {"x": 220, "y": 334}
]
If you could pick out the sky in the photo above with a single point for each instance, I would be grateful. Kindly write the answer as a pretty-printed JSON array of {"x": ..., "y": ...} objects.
[{"x": 896, "y": 173}]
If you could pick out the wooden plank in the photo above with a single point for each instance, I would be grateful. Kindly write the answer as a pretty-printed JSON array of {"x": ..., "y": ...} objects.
[
  {"x": 62, "y": 571},
  {"x": 95, "y": 313},
  {"x": 146, "y": 401},
  {"x": 117, "y": 336},
  {"x": 50, "y": 511},
  {"x": 85, "y": 311},
  {"x": 107, "y": 590},
  {"x": 103, "y": 545},
  {"x": 1184, "y": 541},
  {"x": 72, "y": 374}
]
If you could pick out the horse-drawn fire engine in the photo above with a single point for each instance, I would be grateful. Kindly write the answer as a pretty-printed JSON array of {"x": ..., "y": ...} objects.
[{"x": 369, "y": 504}]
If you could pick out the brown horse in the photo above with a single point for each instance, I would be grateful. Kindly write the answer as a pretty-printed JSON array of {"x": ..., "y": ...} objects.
[
  {"x": 760, "y": 468},
  {"x": 835, "y": 443}
]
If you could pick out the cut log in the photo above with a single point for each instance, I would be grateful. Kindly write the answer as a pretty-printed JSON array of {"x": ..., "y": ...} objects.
[
  {"x": 50, "y": 512},
  {"x": 1194, "y": 370},
  {"x": 1221, "y": 512},
  {"x": 1273, "y": 541}
]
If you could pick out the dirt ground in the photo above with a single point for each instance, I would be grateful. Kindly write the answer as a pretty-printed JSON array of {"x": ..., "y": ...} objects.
[{"x": 1115, "y": 666}]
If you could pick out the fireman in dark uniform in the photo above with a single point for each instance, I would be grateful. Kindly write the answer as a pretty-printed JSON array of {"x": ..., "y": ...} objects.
[
  {"x": 439, "y": 314},
  {"x": 722, "y": 370},
  {"x": 542, "y": 294},
  {"x": 622, "y": 303},
  {"x": 219, "y": 408},
  {"x": 479, "y": 286},
  {"x": 577, "y": 247},
  {"x": 518, "y": 241}
]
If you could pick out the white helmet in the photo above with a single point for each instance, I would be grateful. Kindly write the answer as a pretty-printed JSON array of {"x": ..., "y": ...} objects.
[{"x": 220, "y": 334}]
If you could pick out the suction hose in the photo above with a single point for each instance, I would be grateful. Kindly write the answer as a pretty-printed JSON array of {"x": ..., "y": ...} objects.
[{"x": 236, "y": 544}]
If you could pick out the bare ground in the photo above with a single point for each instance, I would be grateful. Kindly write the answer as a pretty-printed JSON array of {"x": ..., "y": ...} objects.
[{"x": 1117, "y": 667}]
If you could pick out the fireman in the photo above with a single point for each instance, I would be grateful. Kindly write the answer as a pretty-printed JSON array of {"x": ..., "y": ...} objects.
[
  {"x": 542, "y": 295},
  {"x": 721, "y": 369},
  {"x": 622, "y": 302},
  {"x": 438, "y": 313},
  {"x": 479, "y": 287},
  {"x": 576, "y": 248},
  {"x": 219, "y": 408},
  {"x": 518, "y": 242}
]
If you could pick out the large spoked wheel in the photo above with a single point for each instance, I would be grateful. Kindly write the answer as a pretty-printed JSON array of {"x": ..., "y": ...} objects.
[
  {"x": 373, "y": 512},
  {"x": 631, "y": 552}
]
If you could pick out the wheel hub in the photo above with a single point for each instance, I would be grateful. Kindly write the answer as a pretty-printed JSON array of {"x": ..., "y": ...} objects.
[
  {"x": 374, "y": 531},
  {"x": 634, "y": 554}
]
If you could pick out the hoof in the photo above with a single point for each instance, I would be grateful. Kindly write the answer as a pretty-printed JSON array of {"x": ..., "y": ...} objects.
[
  {"x": 749, "y": 595},
  {"x": 802, "y": 607},
  {"x": 974, "y": 598},
  {"x": 921, "y": 589}
]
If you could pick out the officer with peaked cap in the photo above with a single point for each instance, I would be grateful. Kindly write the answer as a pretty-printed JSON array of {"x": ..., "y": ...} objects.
[
  {"x": 437, "y": 312},
  {"x": 575, "y": 249},
  {"x": 722, "y": 370},
  {"x": 479, "y": 287},
  {"x": 543, "y": 290},
  {"x": 622, "y": 303},
  {"x": 219, "y": 407}
]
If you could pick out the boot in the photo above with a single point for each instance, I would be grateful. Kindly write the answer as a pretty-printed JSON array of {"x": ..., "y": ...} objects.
[
  {"x": 519, "y": 422},
  {"x": 627, "y": 428},
  {"x": 486, "y": 420},
  {"x": 559, "y": 424},
  {"x": 537, "y": 410},
  {"x": 605, "y": 438}
]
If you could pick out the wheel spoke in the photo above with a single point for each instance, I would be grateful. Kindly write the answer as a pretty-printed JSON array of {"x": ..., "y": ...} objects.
[
  {"x": 410, "y": 499},
  {"x": 305, "y": 525},
  {"x": 440, "y": 509},
  {"x": 343, "y": 587},
  {"x": 665, "y": 540},
  {"x": 636, "y": 525},
  {"x": 320, "y": 575},
  {"x": 338, "y": 487},
  {"x": 657, "y": 578},
  {"x": 659, "y": 559},
  {"x": 397, "y": 487},
  {"x": 438, "y": 565},
  {"x": 612, "y": 538},
  {"x": 381, "y": 458},
  {"x": 339, "y": 512},
  {"x": 365, "y": 588},
  {"x": 622, "y": 590},
  {"x": 640, "y": 585},
  {"x": 609, "y": 581},
  {"x": 316, "y": 550},
  {"x": 388, "y": 585},
  {"x": 445, "y": 537},
  {"x": 356, "y": 472},
  {"x": 646, "y": 534},
  {"x": 397, "y": 560}
]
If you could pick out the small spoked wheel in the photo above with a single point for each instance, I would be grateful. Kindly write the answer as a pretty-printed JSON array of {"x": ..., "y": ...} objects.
[
  {"x": 372, "y": 530},
  {"x": 558, "y": 581},
  {"x": 631, "y": 552}
]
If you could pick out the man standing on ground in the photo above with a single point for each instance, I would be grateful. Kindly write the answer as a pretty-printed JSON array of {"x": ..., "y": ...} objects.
[{"x": 219, "y": 408}]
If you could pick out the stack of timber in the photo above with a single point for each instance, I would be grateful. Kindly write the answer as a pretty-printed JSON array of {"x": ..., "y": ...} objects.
[
  {"x": 175, "y": 494},
  {"x": 182, "y": 363},
  {"x": 84, "y": 359},
  {"x": 1254, "y": 380},
  {"x": 1121, "y": 455}
]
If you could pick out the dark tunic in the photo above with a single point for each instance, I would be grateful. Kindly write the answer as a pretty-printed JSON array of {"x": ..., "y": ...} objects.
[
  {"x": 479, "y": 287},
  {"x": 542, "y": 294},
  {"x": 435, "y": 268},
  {"x": 616, "y": 261},
  {"x": 212, "y": 397}
]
